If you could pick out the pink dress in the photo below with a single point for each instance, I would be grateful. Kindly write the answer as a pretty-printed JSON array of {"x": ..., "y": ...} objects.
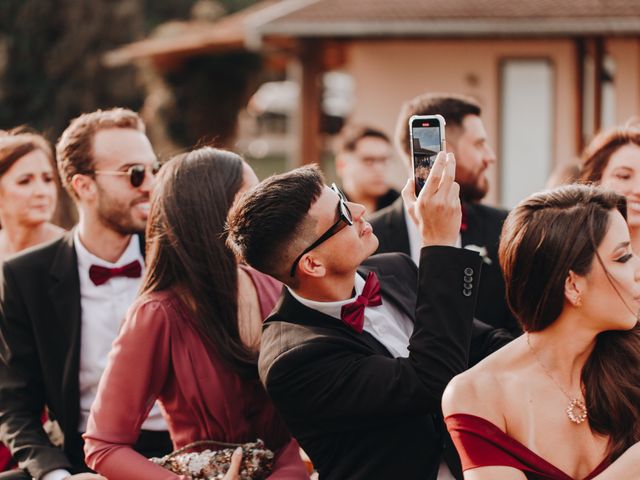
[{"x": 159, "y": 354}]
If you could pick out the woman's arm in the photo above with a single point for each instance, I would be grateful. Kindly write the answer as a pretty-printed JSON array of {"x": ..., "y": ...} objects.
[{"x": 138, "y": 366}]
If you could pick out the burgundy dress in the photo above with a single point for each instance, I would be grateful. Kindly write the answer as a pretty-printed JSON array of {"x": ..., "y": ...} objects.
[
  {"x": 482, "y": 444},
  {"x": 159, "y": 354}
]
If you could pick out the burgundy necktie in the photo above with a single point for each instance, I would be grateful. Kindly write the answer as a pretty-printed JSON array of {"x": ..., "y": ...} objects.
[
  {"x": 353, "y": 313},
  {"x": 100, "y": 275}
]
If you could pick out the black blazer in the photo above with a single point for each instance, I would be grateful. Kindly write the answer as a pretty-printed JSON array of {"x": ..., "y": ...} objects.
[
  {"x": 484, "y": 225},
  {"x": 40, "y": 323},
  {"x": 358, "y": 412}
]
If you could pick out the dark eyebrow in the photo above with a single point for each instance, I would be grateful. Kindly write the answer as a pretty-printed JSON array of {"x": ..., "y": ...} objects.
[{"x": 622, "y": 245}]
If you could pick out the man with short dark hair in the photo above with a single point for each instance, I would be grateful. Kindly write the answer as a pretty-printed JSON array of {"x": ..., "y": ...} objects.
[
  {"x": 481, "y": 224},
  {"x": 362, "y": 164},
  {"x": 62, "y": 303},
  {"x": 354, "y": 357}
]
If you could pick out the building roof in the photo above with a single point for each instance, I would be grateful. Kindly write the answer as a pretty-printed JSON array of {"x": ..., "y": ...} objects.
[
  {"x": 275, "y": 19},
  {"x": 183, "y": 39},
  {"x": 425, "y": 18}
]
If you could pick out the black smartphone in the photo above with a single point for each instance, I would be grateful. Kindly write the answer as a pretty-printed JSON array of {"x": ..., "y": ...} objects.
[{"x": 426, "y": 134}]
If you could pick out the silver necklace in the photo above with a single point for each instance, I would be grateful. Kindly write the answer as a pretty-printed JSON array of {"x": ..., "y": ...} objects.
[{"x": 576, "y": 410}]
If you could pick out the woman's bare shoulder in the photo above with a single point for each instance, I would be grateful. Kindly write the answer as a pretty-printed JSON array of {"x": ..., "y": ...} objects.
[{"x": 480, "y": 390}]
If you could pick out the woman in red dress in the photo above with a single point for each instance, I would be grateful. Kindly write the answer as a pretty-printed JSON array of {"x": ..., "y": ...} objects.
[
  {"x": 560, "y": 402},
  {"x": 191, "y": 339}
]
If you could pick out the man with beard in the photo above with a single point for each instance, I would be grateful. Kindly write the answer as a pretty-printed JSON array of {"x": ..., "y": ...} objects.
[
  {"x": 61, "y": 304},
  {"x": 481, "y": 225}
]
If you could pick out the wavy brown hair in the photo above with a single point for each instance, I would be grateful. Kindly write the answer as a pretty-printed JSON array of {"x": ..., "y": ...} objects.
[
  {"x": 543, "y": 238},
  {"x": 16, "y": 143},
  {"x": 597, "y": 154},
  {"x": 186, "y": 247}
]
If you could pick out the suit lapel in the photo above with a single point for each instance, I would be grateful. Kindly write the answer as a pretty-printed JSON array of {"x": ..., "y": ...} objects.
[
  {"x": 474, "y": 234},
  {"x": 64, "y": 294},
  {"x": 403, "y": 298},
  {"x": 396, "y": 235}
]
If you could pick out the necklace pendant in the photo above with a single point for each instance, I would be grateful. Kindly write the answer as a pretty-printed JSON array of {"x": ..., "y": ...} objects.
[{"x": 577, "y": 411}]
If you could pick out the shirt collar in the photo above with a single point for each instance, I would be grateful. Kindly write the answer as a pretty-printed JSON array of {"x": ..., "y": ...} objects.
[
  {"x": 333, "y": 309},
  {"x": 86, "y": 258}
]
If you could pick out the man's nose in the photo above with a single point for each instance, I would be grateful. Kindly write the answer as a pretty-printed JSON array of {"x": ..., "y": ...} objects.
[
  {"x": 490, "y": 156},
  {"x": 357, "y": 211}
]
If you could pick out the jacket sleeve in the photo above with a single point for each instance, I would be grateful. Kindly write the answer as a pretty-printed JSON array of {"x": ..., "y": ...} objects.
[
  {"x": 138, "y": 365},
  {"x": 324, "y": 377},
  {"x": 22, "y": 392},
  {"x": 486, "y": 340}
]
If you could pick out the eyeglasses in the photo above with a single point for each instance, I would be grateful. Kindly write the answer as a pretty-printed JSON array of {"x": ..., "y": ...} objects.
[
  {"x": 344, "y": 219},
  {"x": 136, "y": 173}
]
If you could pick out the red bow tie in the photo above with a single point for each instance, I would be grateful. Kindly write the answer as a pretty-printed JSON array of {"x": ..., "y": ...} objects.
[
  {"x": 353, "y": 313},
  {"x": 100, "y": 275}
]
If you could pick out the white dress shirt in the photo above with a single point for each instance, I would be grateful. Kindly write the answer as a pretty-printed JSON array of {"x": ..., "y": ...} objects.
[
  {"x": 103, "y": 310},
  {"x": 415, "y": 239},
  {"x": 386, "y": 323}
]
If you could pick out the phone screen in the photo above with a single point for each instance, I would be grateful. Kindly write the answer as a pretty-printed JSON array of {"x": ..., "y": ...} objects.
[{"x": 426, "y": 141}]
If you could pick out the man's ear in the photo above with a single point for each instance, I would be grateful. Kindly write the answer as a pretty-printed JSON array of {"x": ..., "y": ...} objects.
[
  {"x": 311, "y": 266},
  {"x": 84, "y": 186},
  {"x": 574, "y": 289}
]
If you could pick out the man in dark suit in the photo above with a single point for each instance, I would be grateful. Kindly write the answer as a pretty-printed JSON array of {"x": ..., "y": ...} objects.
[
  {"x": 62, "y": 303},
  {"x": 354, "y": 358},
  {"x": 481, "y": 225}
]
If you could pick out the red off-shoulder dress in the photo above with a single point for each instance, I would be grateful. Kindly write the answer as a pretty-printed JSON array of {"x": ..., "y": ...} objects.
[{"x": 482, "y": 444}]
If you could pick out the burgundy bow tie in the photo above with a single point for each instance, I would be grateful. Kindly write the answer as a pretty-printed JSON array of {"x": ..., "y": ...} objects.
[
  {"x": 100, "y": 275},
  {"x": 353, "y": 313}
]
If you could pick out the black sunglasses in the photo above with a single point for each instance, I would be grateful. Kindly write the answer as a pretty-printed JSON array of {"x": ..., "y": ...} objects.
[
  {"x": 344, "y": 219},
  {"x": 136, "y": 173}
]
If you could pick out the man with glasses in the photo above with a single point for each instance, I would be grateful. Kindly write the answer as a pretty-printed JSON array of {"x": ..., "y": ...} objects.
[
  {"x": 362, "y": 163},
  {"x": 354, "y": 356},
  {"x": 61, "y": 304}
]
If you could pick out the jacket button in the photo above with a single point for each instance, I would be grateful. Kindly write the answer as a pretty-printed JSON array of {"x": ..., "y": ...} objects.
[
  {"x": 468, "y": 271},
  {"x": 466, "y": 293},
  {"x": 468, "y": 278},
  {"x": 467, "y": 286}
]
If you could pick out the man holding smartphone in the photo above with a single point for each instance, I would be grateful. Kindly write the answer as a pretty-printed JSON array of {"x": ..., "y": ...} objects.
[
  {"x": 481, "y": 225},
  {"x": 354, "y": 356}
]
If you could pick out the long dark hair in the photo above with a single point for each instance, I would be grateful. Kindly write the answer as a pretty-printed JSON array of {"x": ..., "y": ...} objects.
[
  {"x": 543, "y": 238},
  {"x": 186, "y": 246}
]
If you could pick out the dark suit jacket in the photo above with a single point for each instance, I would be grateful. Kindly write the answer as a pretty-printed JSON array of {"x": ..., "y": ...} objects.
[
  {"x": 358, "y": 412},
  {"x": 40, "y": 323},
  {"x": 484, "y": 225}
]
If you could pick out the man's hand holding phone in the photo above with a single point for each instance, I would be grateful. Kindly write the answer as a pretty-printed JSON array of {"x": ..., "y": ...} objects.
[{"x": 436, "y": 211}]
